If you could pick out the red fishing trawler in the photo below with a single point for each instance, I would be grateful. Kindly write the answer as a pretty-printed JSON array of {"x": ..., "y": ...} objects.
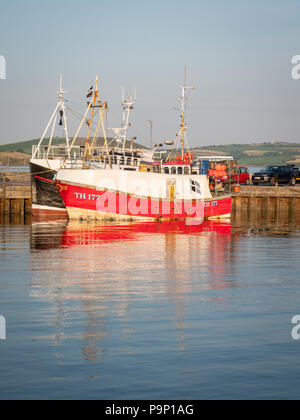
[{"x": 120, "y": 183}]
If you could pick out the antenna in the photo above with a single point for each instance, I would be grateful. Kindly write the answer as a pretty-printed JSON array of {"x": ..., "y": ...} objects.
[
  {"x": 61, "y": 91},
  {"x": 151, "y": 134}
]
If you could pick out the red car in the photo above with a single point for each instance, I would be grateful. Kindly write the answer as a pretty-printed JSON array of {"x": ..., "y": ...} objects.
[{"x": 242, "y": 176}]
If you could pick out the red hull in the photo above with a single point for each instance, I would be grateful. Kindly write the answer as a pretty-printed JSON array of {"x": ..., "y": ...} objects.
[{"x": 83, "y": 201}]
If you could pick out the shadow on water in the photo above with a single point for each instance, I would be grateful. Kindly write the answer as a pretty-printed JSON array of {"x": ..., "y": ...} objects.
[{"x": 282, "y": 224}]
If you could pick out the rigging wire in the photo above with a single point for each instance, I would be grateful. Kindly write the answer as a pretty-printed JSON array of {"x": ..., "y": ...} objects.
[{"x": 79, "y": 117}]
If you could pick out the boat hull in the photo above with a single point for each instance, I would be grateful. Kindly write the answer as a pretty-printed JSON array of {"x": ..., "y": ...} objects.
[
  {"x": 46, "y": 200},
  {"x": 87, "y": 203}
]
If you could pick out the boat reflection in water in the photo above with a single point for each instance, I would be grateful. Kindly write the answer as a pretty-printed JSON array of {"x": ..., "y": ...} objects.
[{"x": 92, "y": 275}]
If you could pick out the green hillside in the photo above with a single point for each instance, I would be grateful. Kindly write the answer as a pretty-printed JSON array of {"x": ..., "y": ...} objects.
[
  {"x": 256, "y": 154},
  {"x": 26, "y": 146},
  {"x": 261, "y": 154}
]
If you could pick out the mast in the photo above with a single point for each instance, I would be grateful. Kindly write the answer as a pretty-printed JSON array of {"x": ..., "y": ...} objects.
[
  {"x": 64, "y": 117},
  {"x": 60, "y": 110},
  {"x": 94, "y": 102},
  {"x": 183, "y": 128},
  {"x": 95, "y": 97},
  {"x": 129, "y": 102}
]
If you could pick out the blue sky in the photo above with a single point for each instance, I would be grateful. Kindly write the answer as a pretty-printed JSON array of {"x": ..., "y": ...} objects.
[{"x": 241, "y": 50}]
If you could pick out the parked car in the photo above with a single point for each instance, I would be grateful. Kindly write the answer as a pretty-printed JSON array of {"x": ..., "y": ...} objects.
[
  {"x": 274, "y": 175},
  {"x": 241, "y": 176}
]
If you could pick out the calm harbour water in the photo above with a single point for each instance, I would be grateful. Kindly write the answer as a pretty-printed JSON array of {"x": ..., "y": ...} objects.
[{"x": 150, "y": 311}]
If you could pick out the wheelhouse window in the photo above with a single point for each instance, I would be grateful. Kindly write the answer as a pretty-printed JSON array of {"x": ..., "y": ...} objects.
[
  {"x": 122, "y": 160},
  {"x": 173, "y": 170},
  {"x": 180, "y": 170},
  {"x": 129, "y": 161},
  {"x": 186, "y": 170},
  {"x": 167, "y": 171}
]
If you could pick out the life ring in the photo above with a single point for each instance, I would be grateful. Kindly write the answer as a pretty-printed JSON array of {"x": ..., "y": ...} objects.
[{"x": 188, "y": 157}]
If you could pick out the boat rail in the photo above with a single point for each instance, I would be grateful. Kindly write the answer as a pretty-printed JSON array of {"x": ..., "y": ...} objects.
[{"x": 61, "y": 152}]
